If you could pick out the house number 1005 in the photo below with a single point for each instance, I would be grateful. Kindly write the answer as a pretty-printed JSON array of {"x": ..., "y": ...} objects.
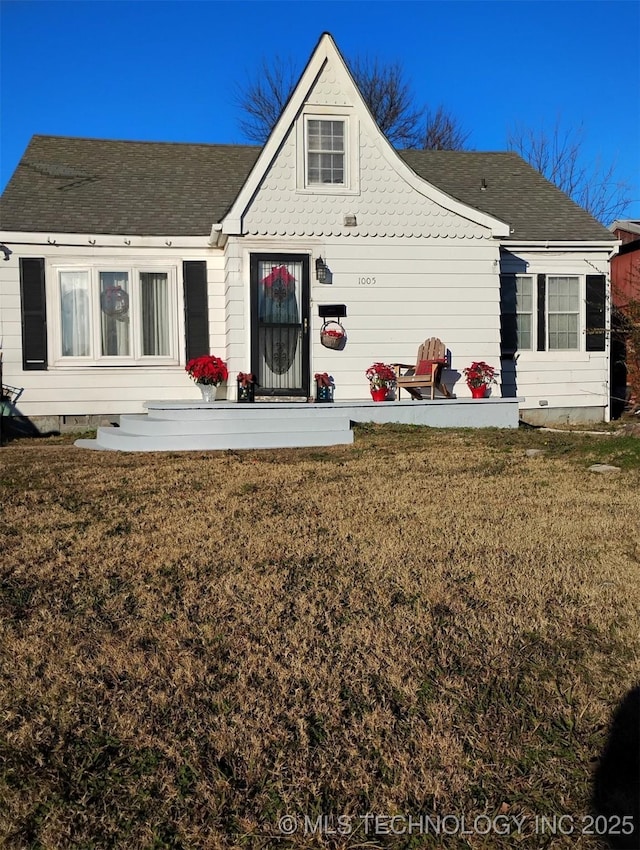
[{"x": 366, "y": 281}]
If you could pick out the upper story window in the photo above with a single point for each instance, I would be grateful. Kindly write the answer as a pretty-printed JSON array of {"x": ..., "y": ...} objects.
[
  {"x": 326, "y": 155},
  {"x": 112, "y": 316}
]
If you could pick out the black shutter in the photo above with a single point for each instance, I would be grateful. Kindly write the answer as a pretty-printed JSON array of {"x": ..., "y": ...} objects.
[
  {"x": 596, "y": 306},
  {"x": 34, "y": 314},
  {"x": 196, "y": 314},
  {"x": 542, "y": 312},
  {"x": 508, "y": 315}
]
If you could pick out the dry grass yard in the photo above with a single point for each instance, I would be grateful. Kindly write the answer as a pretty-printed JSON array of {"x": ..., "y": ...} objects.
[{"x": 211, "y": 650}]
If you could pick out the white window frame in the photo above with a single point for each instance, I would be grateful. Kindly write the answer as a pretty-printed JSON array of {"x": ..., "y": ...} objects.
[
  {"x": 579, "y": 354},
  {"x": 531, "y": 313},
  {"x": 351, "y": 184},
  {"x": 578, "y": 312},
  {"x": 321, "y": 152},
  {"x": 95, "y": 358}
]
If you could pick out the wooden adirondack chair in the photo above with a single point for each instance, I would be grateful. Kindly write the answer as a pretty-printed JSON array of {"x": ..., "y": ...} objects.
[{"x": 426, "y": 373}]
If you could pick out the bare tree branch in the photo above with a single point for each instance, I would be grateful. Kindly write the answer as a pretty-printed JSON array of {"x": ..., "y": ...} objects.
[
  {"x": 443, "y": 132},
  {"x": 558, "y": 155},
  {"x": 263, "y": 99},
  {"x": 384, "y": 89},
  {"x": 390, "y": 99}
]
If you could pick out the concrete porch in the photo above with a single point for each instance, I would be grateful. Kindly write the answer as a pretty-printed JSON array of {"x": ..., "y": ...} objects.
[{"x": 201, "y": 426}]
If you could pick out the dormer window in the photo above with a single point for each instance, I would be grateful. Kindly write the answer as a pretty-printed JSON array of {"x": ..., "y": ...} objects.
[
  {"x": 326, "y": 154},
  {"x": 327, "y": 151}
]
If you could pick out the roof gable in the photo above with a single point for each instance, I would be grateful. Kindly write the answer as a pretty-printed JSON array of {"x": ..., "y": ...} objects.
[{"x": 311, "y": 91}]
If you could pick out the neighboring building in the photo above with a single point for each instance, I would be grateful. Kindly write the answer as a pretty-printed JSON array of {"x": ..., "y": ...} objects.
[
  {"x": 625, "y": 265},
  {"x": 625, "y": 296},
  {"x": 127, "y": 258}
]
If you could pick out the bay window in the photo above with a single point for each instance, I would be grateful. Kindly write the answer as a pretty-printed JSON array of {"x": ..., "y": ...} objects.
[{"x": 119, "y": 316}]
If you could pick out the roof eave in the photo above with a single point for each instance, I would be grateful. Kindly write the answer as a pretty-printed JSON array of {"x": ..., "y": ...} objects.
[
  {"x": 565, "y": 244},
  {"x": 102, "y": 240}
]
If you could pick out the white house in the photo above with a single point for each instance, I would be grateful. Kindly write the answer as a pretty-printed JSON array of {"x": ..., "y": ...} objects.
[{"x": 125, "y": 259}]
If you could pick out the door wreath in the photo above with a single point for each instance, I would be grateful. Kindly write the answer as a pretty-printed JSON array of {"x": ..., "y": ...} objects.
[{"x": 114, "y": 301}]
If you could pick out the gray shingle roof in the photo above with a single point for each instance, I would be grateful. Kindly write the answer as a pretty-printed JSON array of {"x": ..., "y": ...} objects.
[
  {"x": 515, "y": 193},
  {"x": 71, "y": 185}
]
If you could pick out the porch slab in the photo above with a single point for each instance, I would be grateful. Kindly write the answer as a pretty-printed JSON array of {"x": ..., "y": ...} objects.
[
  {"x": 209, "y": 426},
  {"x": 439, "y": 412}
]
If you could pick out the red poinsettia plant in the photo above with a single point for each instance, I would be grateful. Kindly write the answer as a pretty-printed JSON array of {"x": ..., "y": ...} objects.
[
  {"x": 245, "y": 379},
  {"x": 323, "y": 379},
  {"x": 381, "y": 376},
  {"x": 480, "y": 374},
  {"x": 207, "y": 369}
]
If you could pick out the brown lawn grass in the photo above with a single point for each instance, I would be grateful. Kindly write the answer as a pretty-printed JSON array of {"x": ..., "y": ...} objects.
[{"x": 425, "y": 623}]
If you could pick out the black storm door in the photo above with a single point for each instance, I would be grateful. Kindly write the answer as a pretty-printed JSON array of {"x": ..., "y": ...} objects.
[{"x": 280, "y": 324}]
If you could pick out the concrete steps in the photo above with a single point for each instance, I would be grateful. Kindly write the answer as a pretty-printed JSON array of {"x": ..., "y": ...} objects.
[{"x": 201, "y": 426}]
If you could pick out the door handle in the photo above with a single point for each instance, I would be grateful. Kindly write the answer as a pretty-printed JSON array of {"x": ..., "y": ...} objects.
[{"x": 305, "y": 325}]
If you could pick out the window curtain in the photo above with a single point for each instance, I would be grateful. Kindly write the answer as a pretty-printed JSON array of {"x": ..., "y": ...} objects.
[
  {"x": 154, "y": 291},
  {"x": 75, "y": 314}
]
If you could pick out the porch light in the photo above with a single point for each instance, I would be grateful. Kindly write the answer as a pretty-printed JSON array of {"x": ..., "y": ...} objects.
[{"x": 321, "y": 270}]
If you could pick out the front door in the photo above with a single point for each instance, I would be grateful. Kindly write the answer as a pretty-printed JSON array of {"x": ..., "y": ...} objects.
[{"x": 280, "y": 324}]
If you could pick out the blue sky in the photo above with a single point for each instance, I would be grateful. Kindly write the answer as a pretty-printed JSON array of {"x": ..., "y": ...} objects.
[{"x": 167, "y": 71}]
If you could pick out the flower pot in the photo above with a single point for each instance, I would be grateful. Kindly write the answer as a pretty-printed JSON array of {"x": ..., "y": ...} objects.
[
  {"x": 246, "y": 393},
  {"x": 208, "y": 391},
  {"x": 478, "y": 392},
  {"x": 379, "y": 394},
  {"x": 324, "y": 395}
]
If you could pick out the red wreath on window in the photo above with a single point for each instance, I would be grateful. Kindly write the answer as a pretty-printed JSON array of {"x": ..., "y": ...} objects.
[{"x": 114, "y": 301}]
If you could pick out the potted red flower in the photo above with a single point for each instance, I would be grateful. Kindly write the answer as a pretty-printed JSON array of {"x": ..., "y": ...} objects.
[
  {"x": 479, "y": 377},
  {"x": 381, "y": 379},
  {"x": 207, "y": 371},
  {"x": 246, "y": 387},
  {"x": 324, "y": 387}
]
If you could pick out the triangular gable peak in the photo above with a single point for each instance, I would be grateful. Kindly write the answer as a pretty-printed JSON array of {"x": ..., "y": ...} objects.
[{"x": 380, "y": 192}]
